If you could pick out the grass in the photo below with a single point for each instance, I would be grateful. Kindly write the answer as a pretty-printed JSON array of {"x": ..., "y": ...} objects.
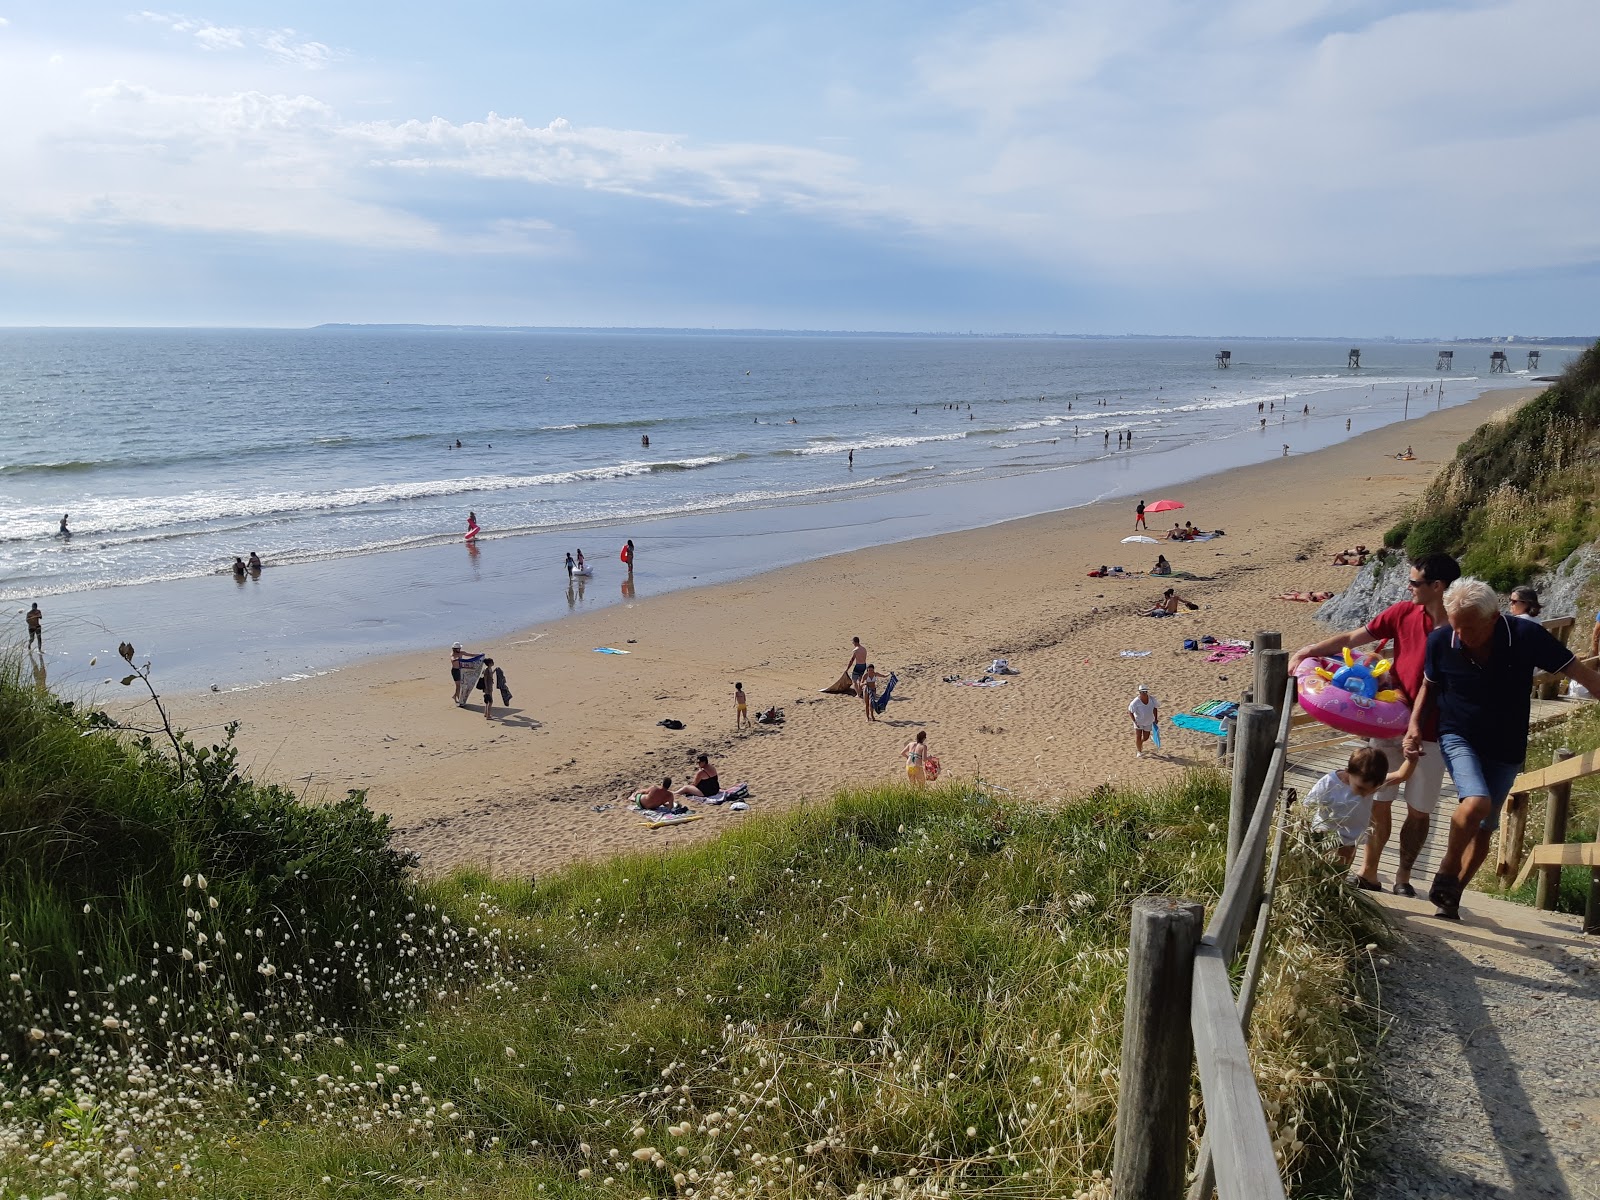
[
  {"x": 1578, "y": 733},
  {"x": 897, "y": 993}
]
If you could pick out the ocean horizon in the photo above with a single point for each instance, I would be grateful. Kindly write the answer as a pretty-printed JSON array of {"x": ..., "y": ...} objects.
[{"x": 332, "y": 454}]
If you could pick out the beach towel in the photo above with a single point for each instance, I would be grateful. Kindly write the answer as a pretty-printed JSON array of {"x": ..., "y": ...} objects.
[
  {"x": 674, "y": 819},
  {"x": 984, "y": 683},
  {"x": 843, "y": 686},
  {"x": 1200, "y": 724},
  {"x": 737, "y": 792},
  {"x": 882, "y": 702},
  {"x": 1134, "y": 653},
  {"x": 471, "y": 668},
  {"x": 1228, "y": 653},
  {"x": 609, "y": 650},
  {"x": 500, "y": 684},
  {"x": 1219, "y": 709}
]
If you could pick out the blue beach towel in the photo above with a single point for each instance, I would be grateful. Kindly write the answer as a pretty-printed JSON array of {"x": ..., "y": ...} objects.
[
  {"x": 882, "y": 702},
  {"x": 608, "y": 650},
  {"x": 1199, "y": 724}
]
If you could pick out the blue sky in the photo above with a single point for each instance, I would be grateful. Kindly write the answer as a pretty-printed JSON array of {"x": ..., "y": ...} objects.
[{"x": 1155, "y": 166}]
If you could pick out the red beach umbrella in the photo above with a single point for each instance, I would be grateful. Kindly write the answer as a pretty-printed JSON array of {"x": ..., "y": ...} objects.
[{"x": 1163, "y": 506}]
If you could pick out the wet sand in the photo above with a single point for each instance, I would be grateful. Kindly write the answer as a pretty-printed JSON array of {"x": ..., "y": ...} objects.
[{"x": 520, "y": 792}]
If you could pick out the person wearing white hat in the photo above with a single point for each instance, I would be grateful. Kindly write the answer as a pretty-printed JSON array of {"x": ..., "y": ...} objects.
[
  {"x": 455, "y": 673},
  {"x": 1144, "y": 711}
]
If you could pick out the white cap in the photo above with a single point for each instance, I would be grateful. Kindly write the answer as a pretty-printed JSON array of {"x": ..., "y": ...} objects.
[
  {"x": 456, "y": 646},
  {"x": 1143, "y": 688}
]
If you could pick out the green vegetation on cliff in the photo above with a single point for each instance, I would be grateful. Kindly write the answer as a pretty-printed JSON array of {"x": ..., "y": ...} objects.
[{"x": 1519, "y": 494}]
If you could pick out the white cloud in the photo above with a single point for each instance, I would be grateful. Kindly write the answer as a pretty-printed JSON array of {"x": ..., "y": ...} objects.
[
  {"x": 1258, "y": 141},
  {"x": 1255, "y": 139},
  {"x": 285, "y": 45}
]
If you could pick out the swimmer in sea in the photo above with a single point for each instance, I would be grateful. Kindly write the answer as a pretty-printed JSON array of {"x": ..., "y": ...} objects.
[{"x": 64, "y": 531}]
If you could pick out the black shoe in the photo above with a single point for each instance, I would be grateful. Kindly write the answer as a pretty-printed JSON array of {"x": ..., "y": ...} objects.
[
  {"x": 1448, "y": 910},
  {"x": 1404, "y": 889},
  {"x": 1441, "y": 888},
  {"x": 1361, "y": 883}
]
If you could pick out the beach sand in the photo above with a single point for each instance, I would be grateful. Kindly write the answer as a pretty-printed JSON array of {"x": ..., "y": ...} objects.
[{"x": 519, "y": 793}]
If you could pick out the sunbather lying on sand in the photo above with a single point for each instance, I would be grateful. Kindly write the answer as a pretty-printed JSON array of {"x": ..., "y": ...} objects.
[
  {"x": 1312, "y": 597},
  {"x": 652, "y": 799},
  {"x": 1351, "y": 558}
]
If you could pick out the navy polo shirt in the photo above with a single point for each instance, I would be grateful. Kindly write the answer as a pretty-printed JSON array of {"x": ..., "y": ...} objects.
[{"x": 1488, "y": 704}]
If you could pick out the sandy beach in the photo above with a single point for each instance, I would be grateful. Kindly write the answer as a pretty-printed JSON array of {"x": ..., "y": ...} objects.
[{"x": 521, "y": 792}]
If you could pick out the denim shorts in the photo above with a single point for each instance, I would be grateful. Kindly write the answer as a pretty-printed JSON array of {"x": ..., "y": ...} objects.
[{"x": 1475, "y": 776}]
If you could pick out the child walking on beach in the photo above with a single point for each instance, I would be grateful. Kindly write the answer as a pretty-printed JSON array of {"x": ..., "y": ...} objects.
[
  {"x": 869, "y": 690},
  {"x": 741, "y": 710}
]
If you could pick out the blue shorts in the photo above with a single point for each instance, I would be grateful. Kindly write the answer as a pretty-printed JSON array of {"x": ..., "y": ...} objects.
[{"x": 1475, "y": 776}]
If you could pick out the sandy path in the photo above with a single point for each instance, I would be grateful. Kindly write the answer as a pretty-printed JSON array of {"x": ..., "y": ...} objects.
[
  {"x": 1488, "y": 1067},
  {"x": 520, "y": 792}
]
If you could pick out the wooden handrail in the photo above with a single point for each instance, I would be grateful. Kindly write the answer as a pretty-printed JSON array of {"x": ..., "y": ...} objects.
[
  {"x": 1238, "y": 1151},
  {"x": 1577, "y": 767}
]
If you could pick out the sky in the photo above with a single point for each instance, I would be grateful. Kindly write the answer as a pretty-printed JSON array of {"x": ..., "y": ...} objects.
[{"x": 1267, "y": 167}]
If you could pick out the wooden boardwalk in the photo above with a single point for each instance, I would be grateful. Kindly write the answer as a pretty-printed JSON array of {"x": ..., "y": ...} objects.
[{"x": 1314, "y": 750}]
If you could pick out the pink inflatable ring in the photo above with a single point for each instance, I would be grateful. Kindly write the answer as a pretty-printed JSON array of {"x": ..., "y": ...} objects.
[{"x": 1350, "y": 695}]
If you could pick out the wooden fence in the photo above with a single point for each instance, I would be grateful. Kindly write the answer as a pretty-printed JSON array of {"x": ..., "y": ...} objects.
[{"x": 1176, "y": 971}]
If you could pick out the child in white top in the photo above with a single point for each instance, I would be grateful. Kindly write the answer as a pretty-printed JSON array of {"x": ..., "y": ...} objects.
[{"x": 1341, "y": 801}]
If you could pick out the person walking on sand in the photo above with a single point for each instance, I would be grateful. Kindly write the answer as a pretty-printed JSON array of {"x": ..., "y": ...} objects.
[
  {"x": 916, "y": 756},
  {"x": 1138, "y": 516},
  {"x": 741, "y": 709},
  {"x": 1477, "y": 679},
  {"x": 456, "y": 655},
  {"x": 1144, "y": 710},
  {"x": 35, "y": 620},
  {"x": 858, "y": 663},
  {"x": 486, "y": 686},
  {"x": 1407, "y": 625},
  {"x": 869, "y": 690}
]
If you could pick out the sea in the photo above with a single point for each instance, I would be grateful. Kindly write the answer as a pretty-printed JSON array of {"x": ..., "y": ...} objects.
[{"x": 356, "y": 449}]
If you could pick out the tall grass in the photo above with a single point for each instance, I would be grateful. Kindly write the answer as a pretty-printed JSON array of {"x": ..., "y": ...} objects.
[{"x": 898, "y": 993}]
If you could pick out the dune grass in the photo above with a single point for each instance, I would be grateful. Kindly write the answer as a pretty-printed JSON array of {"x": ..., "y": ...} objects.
[{"x": 894, "y": 993}]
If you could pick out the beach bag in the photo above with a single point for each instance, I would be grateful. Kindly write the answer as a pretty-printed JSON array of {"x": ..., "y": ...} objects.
[
  {"x": 1190, "y": 644},
  {"x": 930, "y": 768}
]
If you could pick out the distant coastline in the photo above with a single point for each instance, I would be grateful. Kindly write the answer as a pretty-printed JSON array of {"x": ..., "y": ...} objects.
[{"x": 1574, "y": 342}]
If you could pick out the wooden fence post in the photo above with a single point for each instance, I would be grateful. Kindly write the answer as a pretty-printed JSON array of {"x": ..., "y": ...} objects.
[
  {"x": 1591, "y": 910},
  {"x": 1252, "y": 755},
  {"x": 1272, "y": 674},
  {"x": 1557, "y": 805},
  {"x": 1268, "y": 639},
  {"x": 1513, "y": 831},
  {"x": 1152, "y": 1138}
]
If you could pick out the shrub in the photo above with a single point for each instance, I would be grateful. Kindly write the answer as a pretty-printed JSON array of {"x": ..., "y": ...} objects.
[{"x": 1396, "y": 537}]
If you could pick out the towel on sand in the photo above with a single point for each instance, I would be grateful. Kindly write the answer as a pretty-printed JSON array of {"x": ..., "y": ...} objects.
[{"x": 843, "y": 686}]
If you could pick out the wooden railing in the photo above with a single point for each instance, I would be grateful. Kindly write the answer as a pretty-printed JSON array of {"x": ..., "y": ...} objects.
[
  {"x": 1175, "y": 969},
  {"x": 1554, "y": 852}
]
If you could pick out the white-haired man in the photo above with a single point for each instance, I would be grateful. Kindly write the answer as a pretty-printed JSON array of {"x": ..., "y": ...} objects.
[{"x": 1478, "y": 678}]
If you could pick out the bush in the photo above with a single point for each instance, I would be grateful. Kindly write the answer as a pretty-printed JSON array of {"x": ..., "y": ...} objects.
[
  {"x": 1430, "y": 535},
  {"x": 132, "y": 864},
  {"x": 1396, "y": 537}
]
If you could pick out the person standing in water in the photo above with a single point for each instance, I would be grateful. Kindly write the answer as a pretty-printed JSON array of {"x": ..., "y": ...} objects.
[
  {"x": 64, "y": 531},
  {"x": 35, "y": 627},
  {"x": 570, "y": 564},
  {"x": 627, "y": 556}
]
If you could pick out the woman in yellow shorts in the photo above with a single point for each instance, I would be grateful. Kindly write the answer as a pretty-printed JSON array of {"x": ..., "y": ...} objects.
[{"x": 915, "y": 754}]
